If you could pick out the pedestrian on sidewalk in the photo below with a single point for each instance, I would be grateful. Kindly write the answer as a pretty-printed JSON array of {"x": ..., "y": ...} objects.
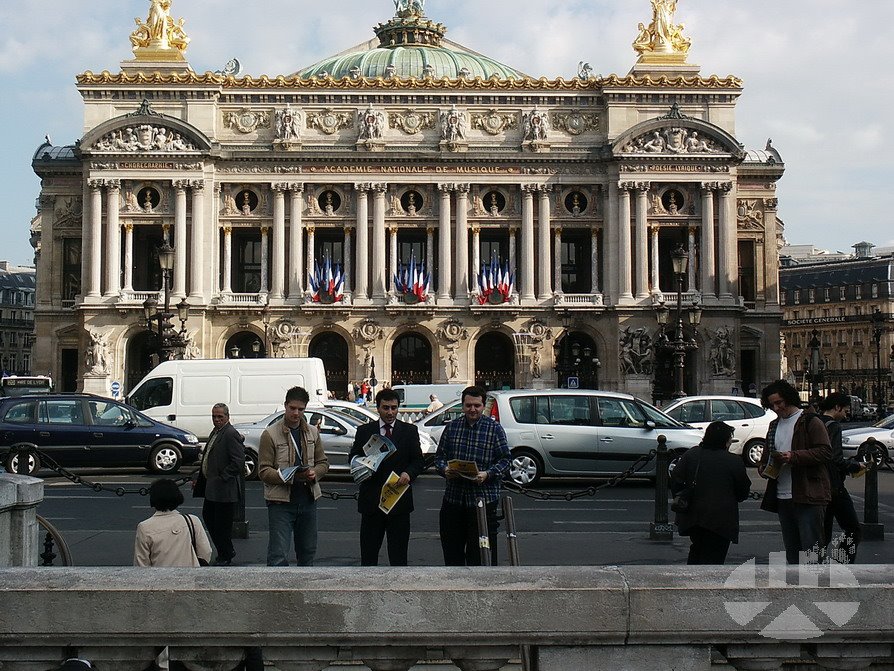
[
  {"x": 717, "y": 483},
  {"x": 219, "y": 481},
  {"x": 166, "y": 538}
]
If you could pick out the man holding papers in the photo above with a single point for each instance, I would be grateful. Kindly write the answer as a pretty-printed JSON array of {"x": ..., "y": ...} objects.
[
  {"x": 386, "y": 499},
  {"x": 291, "y": 462},
  {"x": 474, "y": 456}
]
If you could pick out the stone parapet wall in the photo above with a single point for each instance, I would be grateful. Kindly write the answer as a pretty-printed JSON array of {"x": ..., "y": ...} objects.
[{"x": 573, "y": 618}]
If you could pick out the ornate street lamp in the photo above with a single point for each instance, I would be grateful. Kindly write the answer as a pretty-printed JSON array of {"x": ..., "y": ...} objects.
[
  {"x": 679, "y": 345},
  {"x": 878, "y": 329},
  {"x": 171, "y": 343},
  {"x": 813, "y": 366}
]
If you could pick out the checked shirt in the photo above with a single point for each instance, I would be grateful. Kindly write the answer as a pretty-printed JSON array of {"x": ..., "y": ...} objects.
[{"x": 484, "y": 443}]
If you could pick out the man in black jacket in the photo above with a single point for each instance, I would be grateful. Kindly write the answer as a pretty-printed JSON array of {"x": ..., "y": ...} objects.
[
  {"x": 407, "y": 463},
  {"x": 835, "y": 408},
  {"x": 223, "y": 465}
]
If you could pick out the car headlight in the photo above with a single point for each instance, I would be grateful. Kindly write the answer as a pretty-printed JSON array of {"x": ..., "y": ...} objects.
[
  {"x": 427, "y": 443},
  {"x": 845, "y": 440},
  {"x": 191, "y": 439}
]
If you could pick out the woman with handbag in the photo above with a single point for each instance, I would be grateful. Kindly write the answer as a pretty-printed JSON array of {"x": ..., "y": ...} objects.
[
  {"x": 708, "y": 483},
  {"x": 170, "y": 538}
]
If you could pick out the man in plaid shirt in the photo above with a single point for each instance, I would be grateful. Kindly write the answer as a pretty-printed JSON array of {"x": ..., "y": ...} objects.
[{"x": 482, "y": 441}]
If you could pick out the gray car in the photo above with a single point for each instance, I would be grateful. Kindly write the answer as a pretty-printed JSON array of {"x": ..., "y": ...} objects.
[
  {"x": 336, "y": 429},
  {"x": 434, "y": 424},
  {"x": 567, "y": 432}
]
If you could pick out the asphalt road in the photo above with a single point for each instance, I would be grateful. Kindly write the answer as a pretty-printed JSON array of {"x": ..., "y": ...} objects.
[{"x": 609, "y": 528}]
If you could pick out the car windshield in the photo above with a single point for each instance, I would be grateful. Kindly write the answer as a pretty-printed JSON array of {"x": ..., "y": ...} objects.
[
  {"x": 885, "y": 422},
  {"x": 661, "y": 420}
]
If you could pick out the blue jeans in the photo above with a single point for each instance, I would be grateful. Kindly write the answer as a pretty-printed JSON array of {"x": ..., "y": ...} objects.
[{"x": 286, "y": 521}]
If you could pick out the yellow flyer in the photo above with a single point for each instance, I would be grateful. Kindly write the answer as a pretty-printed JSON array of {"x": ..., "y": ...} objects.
[{"x": 391, "y": 493}]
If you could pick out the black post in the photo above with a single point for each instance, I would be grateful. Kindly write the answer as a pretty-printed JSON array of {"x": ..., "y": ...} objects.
[
  {"x": 240, "y": 524},
  {"x": 511, "y": 538},
  {"x": 661, "y": 529},
  {"x": 23, "y": 462},
  {"x": 483, "y": 536},
  {"x": 871, "y": 527}
]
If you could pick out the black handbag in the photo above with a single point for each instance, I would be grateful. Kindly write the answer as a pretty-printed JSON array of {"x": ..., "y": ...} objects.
[
  {"x": 681, "y": 500},
  {"x": 192, "y": 537}
]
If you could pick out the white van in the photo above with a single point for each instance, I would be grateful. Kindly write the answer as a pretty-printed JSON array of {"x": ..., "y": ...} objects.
[
  {"x": 415, "y": 396},
  {"x": 182, "y": 392}
]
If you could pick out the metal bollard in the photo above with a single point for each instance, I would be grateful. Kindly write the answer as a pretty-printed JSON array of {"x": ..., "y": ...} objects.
[
  {"x": 240, "y": 524},
  {"x": 661, "y": 529},
  {"x": 871, "y": 527},
  {"x": 511, "y": 538},
  {"x": 24, "y": 460},
  {"x": 483, "y": 536}
]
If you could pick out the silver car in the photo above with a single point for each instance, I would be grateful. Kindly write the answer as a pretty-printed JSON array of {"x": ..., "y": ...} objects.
[
  {"x": 433, "y": 424},
  {"x": 882, "y": 431},
  {"x": 359, "y": 412},
  {"x": 566, "y": 432}
]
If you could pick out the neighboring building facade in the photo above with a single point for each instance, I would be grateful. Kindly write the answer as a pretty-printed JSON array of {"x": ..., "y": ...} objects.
[
  {"x": 410, "y": 151},
  {"x": 17, "y": 287},
  {"x": 838, "y": 299}
]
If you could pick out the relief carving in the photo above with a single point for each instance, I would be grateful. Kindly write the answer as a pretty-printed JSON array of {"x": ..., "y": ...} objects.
[
  {"x": 575, "y": 123},
  {"x": 494, "y": 123},
  {"x": 329, "y": 121},
  {"x": 412, "y": 122},
  {"x": 144, "y": 137},
  {"x": 246, "y": 120}
]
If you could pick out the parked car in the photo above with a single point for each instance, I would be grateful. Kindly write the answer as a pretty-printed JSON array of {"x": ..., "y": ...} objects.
[
  {"x": 567, "y": 432},
  {"x": 882, "y": 431},
  {"x": 746, "y": 415},
  {"x": 82, "y": 430},
  {"x": 359, "y": 412},
  {"x": 434, "y": 424},
  {"x": 337, "y": 430}
]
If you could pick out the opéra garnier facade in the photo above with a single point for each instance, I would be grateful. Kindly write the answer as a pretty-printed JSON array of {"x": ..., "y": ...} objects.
[{"x": 416, "y": 205}]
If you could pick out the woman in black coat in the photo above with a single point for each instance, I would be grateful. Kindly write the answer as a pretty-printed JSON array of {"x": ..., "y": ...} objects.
[{"x": 712, "y": 518}]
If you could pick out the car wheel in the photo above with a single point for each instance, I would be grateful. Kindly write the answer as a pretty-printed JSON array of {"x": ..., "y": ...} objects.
[
  {"x": 165, "y": 459},
  {"x": 251, "y": 465},
  {"x": 12, "y": 462},
  {"x": 525, "y": 469},
  {"x": 875, "y": 452},
  {"x": 753, "y": 451}
]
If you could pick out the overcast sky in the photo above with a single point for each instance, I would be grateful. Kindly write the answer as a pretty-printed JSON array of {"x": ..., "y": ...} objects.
[{"x": 817, "y": 78}]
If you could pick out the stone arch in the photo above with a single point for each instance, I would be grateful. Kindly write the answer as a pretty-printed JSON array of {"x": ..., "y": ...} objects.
[
  {"x": 727, "y": 142},
  {"x": 243, "y": 337},
  {"x": 411, "y": 356},
  {"x": 333, "y": 348},
  {"x": 136, "y": 347},
  {"x": 494, "y": 360},
  {"x": 577, "y": 355}
]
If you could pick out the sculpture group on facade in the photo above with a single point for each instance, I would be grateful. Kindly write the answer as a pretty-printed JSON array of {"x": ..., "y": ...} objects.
[
  {"x": 673, "y": 140},
  {"x": 159, "y": 30},
  {"x": 288, "y": 125},
  {"x": 372, "y": 124},
  {"x": 96, "y": 356},
  {"x": 722, "y": 354},
  {"x": 636, "y": 351},
  {"x": 453, "y": 125},
  {"x": 662, "y": 35},
  {"x": 144, "y": 137},
  {"x": 536, "y": 126}
]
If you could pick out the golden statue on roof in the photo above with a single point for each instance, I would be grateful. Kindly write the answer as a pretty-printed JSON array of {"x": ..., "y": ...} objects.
[
  {"x": 662, "y": 36},
  {"x": 159, "y": 38}
]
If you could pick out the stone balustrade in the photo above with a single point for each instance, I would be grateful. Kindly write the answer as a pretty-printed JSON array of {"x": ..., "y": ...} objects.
[
  {"x": 19, "y": 497},
  {"x": 573, "y": 618}
]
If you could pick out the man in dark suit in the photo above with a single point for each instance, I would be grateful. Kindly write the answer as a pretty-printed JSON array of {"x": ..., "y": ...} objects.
[
  {"x": 223, "y": 465},
  {"x": 407, "y": 462}
]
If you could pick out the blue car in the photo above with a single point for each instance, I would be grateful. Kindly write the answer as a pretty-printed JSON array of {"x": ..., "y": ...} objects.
[{"x": 83, "y": 430}]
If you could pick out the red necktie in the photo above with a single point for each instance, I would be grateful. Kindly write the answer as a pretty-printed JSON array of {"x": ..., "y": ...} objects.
[{"x": 388, "y": 431}]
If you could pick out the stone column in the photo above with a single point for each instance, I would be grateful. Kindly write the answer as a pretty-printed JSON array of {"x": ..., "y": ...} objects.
[
  {"x": 594, "y": 260},
  {"x": 526, "y": 285},
  {"x": 361, "y": 282},
  {"x": 771, "y": 253},
  {"x": 296, "y": 242},
  {"x": 461, "y": 279},
  {"x": 545, "y": 246},
  {"x": 93, "y": 242},
  {"x": 227, "y": 279},
  {"x": 429, "y": 249},
  {"x": 726, "y": 243},
  {"x": 557, "y": 256},
  {"x": 265, "y": 258},
  {"x": 311, "y": 243},
  {"x": 692, "y": 260},
  {"x": 216, "y": 269},
  {"x": 707, "y": 240},
  {"x": 277, "y": 283},
  {"x": 348, "y": 266},
  {"x": 610, "y": 241},
  {"x": 128, "y": 257},
  {"x": 476, "y": 253},
  {"x": 393, "y": 260},
  {"x": 642, "y": 239},
  {"x": 625, "y": 252},
  {"x": 179, "y": 289},
  {"x": 445, "y": 265},
  {"x": 378, "y": 242},
  {"x": 197, "y": 262},
  {"x": 113, "y": 238},
  {"x": 656, "y": 261}
]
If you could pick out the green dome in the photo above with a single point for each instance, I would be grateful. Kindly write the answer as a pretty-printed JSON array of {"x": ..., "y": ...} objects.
[
  {"x": 410, "y": 45},
  {"x": 411, "y": 61}
]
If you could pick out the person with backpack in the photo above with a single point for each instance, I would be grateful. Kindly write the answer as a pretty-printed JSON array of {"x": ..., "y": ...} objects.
[{"x": 835, "y": 408}]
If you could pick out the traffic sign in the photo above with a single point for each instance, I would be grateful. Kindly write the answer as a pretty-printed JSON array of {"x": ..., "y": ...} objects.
[
  {"x": 574, "y": 382},
  {"x": 116, "y": 388}
]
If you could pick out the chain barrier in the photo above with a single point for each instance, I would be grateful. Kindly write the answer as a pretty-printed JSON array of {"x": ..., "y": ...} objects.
[{"x": 571, "y": 495}]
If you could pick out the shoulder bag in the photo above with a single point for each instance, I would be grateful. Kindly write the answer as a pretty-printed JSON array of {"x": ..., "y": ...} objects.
[
  {"x": 680, "y": 502},
  {"x": 192, "y": 537}
]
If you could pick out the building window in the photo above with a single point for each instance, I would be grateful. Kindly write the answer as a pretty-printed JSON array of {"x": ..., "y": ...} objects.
[
  {"x": 576, "y": 271},
  {"x": 858, "y": 292},
  {"x": 71, "y": 268},
  {"x": 811, "y": 295},
  {"x": 797, "y": 296},
  {"x": 842, "y": 293},
  {"x": 247, "y": 266},
  {"x": 782, "y": 297},
  {"x": 827, "y": 294},
  {"x": 841, "y": 312},
  {"x": 874, "y": 289},
  {"x": 747, "y": 272}
]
